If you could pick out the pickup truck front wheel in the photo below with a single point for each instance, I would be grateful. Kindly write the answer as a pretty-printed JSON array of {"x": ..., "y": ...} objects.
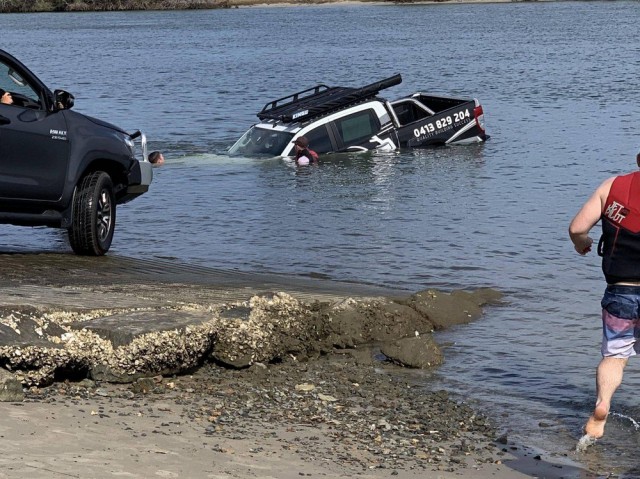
[{"x": 93, "y": 216}]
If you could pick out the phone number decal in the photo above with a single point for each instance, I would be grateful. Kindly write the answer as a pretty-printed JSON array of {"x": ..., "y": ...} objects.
[{"x": 442, "y": 124}]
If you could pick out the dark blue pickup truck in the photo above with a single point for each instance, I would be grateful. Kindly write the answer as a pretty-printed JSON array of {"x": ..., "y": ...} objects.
[{"x": 60, "y": 168}]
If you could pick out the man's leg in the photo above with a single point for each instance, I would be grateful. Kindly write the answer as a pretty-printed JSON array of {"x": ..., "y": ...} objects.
[{"x": 608, "y": 378}]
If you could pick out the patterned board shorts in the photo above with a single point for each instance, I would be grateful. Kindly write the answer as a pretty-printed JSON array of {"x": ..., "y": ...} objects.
[{"x": 621, "y": 321}]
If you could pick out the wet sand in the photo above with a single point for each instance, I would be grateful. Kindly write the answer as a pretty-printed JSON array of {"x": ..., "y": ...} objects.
[{"x": 336, "y": 412}]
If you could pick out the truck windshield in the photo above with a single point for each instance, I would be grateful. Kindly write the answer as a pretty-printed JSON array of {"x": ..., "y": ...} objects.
[{"x": 261, "y": 141}]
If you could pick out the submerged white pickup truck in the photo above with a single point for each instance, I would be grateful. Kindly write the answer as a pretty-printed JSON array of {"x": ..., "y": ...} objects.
[{"x": 343, "y": 119}]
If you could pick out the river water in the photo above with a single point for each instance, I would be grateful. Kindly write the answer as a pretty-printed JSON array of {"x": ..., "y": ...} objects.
[{"x": 559, "y": 86}]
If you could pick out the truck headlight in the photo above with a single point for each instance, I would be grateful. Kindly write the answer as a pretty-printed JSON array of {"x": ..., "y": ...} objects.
[{"x": 132, "y": 146}]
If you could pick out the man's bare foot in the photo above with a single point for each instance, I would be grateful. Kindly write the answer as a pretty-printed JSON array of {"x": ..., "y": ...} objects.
[{"x": 595, "y": 425}]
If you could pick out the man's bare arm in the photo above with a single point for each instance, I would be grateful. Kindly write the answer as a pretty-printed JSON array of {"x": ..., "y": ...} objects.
[{"x": 587, "y": 217}]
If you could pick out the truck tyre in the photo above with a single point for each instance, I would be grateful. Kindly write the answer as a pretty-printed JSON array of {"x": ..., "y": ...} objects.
[{"x": 93, "y": 217}]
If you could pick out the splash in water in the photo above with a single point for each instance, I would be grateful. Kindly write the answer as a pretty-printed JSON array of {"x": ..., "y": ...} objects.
[
  {"x": 633, "y": 422},
  {"x": 584, "y": 442},
  {"x": 587, "y": 440}
]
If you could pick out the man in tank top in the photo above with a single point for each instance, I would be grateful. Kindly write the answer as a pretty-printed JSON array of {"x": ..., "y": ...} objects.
[
  {"x": 304, "y": 154},
  {"x": 617, "y": 203}
]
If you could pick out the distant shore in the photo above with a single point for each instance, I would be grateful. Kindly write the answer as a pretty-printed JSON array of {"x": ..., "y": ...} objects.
[{"x": 22, "y": 6}]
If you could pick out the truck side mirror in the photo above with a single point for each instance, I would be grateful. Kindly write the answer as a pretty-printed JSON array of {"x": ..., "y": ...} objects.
[{"x": 63, "y": 100}]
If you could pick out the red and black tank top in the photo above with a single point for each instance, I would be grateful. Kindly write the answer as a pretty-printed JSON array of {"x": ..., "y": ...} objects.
[
  {"x": 620, "y": 242},
  {"x": 312, "y": 155}
]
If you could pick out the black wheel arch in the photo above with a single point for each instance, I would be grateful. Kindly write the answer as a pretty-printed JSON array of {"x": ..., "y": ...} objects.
[{"x": 114, "y": 169}]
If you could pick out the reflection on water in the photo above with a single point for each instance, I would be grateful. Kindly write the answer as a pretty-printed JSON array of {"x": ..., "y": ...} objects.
[{"x": 559, "y": 105}]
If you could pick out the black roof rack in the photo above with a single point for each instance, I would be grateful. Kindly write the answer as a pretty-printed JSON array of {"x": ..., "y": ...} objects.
[{"x": 321, "y": 99}]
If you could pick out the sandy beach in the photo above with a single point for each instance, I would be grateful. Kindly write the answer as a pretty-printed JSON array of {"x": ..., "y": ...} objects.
[{"x": 334, "y": 412}]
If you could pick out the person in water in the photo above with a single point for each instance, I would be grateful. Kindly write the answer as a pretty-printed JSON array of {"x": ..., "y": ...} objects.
[
  {"x": 304, "y": 155},
  {"x": 617, "y": 203},
  {"x": 156, "y": 158}
]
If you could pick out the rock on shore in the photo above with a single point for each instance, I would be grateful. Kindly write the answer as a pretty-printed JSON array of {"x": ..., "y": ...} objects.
[
  {"x": 122, "y": 345},
  {"x": 339, "y": 410}
]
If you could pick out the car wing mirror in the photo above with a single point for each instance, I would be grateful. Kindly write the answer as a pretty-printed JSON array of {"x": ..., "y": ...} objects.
[{"x": 63, "y": 100}]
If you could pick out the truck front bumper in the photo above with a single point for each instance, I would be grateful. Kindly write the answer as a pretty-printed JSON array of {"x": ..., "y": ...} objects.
[{"x": 139, "y": 179}]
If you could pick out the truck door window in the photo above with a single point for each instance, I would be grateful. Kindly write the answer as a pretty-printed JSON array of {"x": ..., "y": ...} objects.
[
  {"x": 319, "y": 140},
  {"x": 358, "y": 127},
  {"x": 21, "y": 91}
]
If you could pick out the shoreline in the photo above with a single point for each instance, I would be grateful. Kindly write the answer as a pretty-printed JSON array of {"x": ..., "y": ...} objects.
[
  {"x": 44, "y": 6},
  {"x": 336, "y": 412}
]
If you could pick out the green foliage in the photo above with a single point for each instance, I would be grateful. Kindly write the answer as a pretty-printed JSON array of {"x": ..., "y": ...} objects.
[{"x": 24, "y": 6}]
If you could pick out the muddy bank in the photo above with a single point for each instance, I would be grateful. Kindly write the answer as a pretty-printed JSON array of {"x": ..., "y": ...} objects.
[{"x": 99, "y": 319}]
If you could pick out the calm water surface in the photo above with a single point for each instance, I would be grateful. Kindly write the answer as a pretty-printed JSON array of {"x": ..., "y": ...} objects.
[{"x": 559, "y": 85}]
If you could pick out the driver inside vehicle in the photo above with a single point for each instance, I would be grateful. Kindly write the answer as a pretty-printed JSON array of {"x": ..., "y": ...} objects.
[{"x": 5, "y": 97}]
